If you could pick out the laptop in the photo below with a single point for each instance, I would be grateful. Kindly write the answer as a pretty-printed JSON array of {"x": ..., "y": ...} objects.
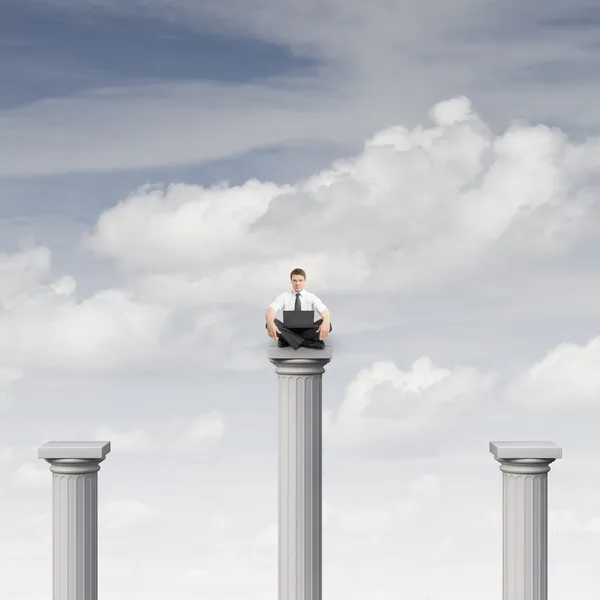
[{"x": 299, "y": 319}]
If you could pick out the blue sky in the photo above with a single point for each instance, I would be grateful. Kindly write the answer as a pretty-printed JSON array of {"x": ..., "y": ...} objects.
[
  {"x": 56, "y": 53},
  {"x": 434, "y": 168}
]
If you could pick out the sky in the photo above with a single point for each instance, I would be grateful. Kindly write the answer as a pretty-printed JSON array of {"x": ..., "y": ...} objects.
[{"x": 434, "y": 167}]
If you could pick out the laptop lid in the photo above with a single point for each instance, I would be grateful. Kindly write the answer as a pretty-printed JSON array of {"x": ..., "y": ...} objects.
[{"x": 298, "y": 318}]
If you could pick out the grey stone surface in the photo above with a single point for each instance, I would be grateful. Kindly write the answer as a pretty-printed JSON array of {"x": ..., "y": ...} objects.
[
  {"x": 75, "y": 467},
  {"x": 525, "y": 450},
  {"x": 300, "y": 470},
  {"x": 96, "y": 450},
  {"x": 525, "y": 467}
]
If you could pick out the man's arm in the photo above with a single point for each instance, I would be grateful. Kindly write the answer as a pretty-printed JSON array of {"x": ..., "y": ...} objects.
[
  {"x": 276, "y": 305},
  {"x": 320, "y": 307},
  {"x": 270, "y": 316}
]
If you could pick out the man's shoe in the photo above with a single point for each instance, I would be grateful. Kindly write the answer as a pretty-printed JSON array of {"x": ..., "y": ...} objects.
[{"x": 316, "y": 344}]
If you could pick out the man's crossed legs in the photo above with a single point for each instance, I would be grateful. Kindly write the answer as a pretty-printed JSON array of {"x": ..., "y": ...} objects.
[{"x": 300, "y": 337}]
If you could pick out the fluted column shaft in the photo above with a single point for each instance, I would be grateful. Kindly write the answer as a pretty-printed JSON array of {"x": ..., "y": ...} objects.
[
  {"x": 300, "y": 478},
  {"x": 75, "y": 521},
  {"x": 525, "y": 522}
]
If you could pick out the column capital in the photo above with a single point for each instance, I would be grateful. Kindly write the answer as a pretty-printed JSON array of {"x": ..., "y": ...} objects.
[
  {"x": 525, "y": 457},
  {"x": 304, "y": 361},
  {"x": 74, "y": 458}
]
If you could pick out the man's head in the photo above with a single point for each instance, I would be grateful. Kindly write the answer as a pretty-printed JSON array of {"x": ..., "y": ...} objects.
[{"x": 298, "y": 279}]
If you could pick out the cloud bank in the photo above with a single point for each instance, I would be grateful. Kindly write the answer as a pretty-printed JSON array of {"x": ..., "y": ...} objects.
[
  {"x": 422, "y": 209},
  {"x": 415, "y": 209}
]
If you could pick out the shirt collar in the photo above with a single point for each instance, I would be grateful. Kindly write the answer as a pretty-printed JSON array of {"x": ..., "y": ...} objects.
[{"x": 301, "y": 292}]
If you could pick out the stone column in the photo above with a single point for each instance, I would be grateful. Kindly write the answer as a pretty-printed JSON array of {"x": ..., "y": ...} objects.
[
  {"x": 300, "y": 476},
  {"x": 525, "y": 467},
  {"x": 75, "y": 467}
]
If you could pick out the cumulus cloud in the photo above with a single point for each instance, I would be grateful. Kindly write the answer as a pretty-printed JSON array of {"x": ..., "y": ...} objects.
[
  {"x": 6, "y": 454},
  {"x": 192, "y": 577},
  {"x": 415, "y": 208},
  {"x": 568, "y": 376},
  {"x": 267, "y": 538},
  {"x": 7, "y": 377},
  {"x": 384, "y": 405},
  {"x": 380, "y": 518},
  {"x": 178, "y": 435},
  {"x": 135, "y": 440},
  {"x": 42, "y": 323},
  {"x": 205, "y": 430},
  {"x": 421, "y": 207},
  {"x": 22, "y": 272},
  {"x": 122, "y": 514},
  {"x": 177, "y": 228},
  {"x": 32, "y": 475}
]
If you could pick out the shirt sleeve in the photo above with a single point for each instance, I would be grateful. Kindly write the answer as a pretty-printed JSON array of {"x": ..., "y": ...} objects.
[
  {"x": 277, "y": 304},
  {"x": 318, "y": 305}
]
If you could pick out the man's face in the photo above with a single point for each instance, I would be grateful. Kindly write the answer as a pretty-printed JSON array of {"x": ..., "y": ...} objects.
[{"x": 298, "y": 283}]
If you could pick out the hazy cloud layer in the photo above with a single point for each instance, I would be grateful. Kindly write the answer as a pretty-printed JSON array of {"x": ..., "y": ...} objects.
[{"x": 367, "y": 59}]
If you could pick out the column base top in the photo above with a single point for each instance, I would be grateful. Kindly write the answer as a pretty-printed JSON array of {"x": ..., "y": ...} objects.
[
  {"x": 542, "y": 450},
  {"x": 58, "y": 450},
  {"x": 274, "y": 351}
]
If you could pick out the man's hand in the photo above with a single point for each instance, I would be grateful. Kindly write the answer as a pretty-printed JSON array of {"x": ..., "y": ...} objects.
[
  {"x": 323, "y": 330},
  {"x": 272, "y": 331}
]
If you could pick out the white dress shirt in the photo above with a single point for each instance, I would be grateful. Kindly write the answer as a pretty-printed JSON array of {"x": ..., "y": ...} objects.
[{"x": 308, "y": 301}]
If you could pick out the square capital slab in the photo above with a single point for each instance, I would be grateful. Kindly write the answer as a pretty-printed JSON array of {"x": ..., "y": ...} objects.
[
  {"x": 274, "y": 351},
  {"x": 511, "y": 450},
  {"x": 58, "y": 450}
]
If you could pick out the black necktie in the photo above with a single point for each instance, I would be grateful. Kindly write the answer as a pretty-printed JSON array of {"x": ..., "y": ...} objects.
[{"x": 297, "y": 307}]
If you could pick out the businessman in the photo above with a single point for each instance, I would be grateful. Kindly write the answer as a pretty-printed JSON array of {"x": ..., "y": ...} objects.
[{"x": 298, "y": 299}]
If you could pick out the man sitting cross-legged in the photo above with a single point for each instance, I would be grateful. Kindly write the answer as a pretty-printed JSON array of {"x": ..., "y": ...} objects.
[{"x": 298, "y": 299}]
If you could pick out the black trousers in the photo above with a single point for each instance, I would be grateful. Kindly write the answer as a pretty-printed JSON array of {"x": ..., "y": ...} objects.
[{"x": 296, "y": 337}]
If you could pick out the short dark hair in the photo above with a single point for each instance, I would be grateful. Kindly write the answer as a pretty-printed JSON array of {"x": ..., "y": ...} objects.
[{"x": 298, "y": 272}]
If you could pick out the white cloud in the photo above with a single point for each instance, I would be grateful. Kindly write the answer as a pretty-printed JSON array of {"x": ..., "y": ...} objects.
[
  {"x": 221, "y": 522},
  {"x": 489, "y": 518},
  {"x": 417, "y": 208},
  {"x": 568, "y": 376},
  {"x": 7, "y": 377},
  {"x": 192, "y": 577},
  {"x": 381, "y": 517},
  {"x": 122, "y": 514},
  {"x": 135, "y": 440},
  {"x": 564, "y": 521},
  {"x": 205, "y": 430},
  {"x": 267, "y": 538},
  {"x": 181, "y": 226},
  {"x": 426, "y": 486},
  {"x": 6, "y": 454},
  {"x": 22, "y": 272},
  {"x": 384, "y": 405},
  {"x": 592, "y": 525},
  {"x": 65, "y": 286},
  {"x": 33, "y": 475},
  {"x": 178, "y": 434},
  {"x": 43, "y": 324}
]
